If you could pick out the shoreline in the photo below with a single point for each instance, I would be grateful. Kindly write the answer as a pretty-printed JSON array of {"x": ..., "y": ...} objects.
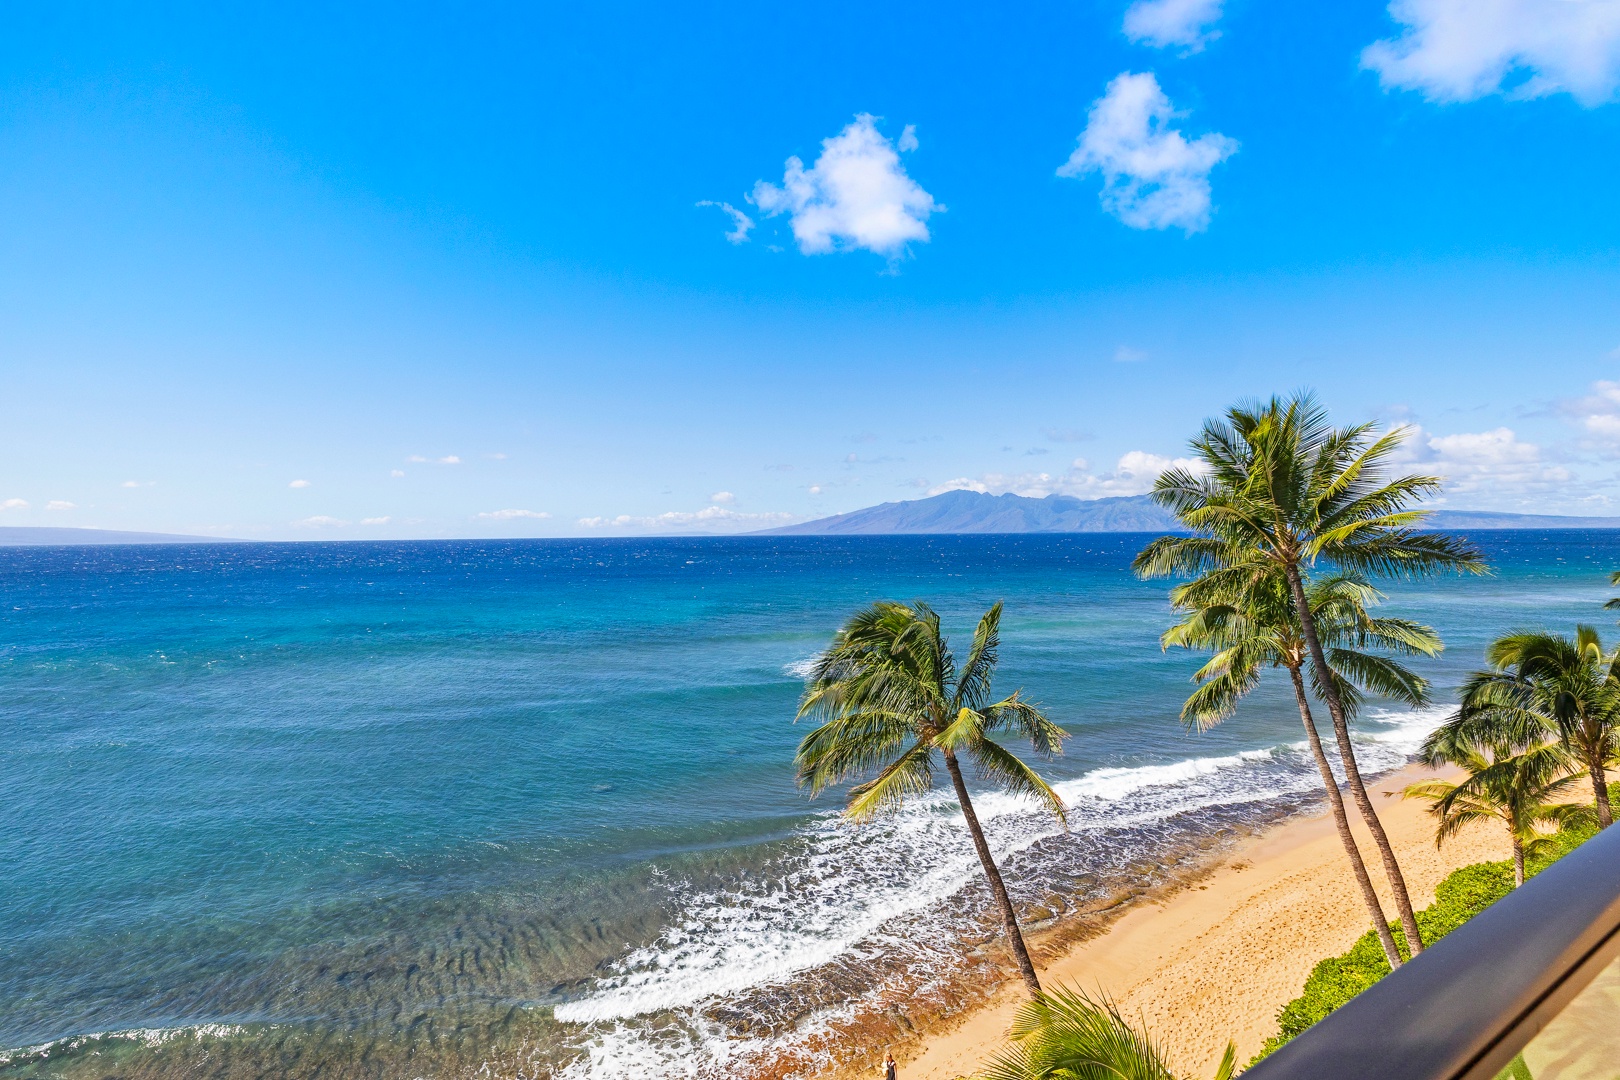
[{"x": 1215, "y": 955}]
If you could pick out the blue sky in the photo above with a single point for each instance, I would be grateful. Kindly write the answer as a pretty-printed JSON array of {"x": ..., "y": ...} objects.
[{"x": 431, "y": 271}]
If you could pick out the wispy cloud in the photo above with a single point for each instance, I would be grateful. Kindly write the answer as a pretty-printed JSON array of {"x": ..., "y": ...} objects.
[
  {"x": 1597, "y": 413},
  {"x": 1153, "y": 176},
  {"x": 448, "y": 459},
  {"x": 514, "y": 515},
  {"x": 1127, "y": 355},
  {"x": 857, "y": 194},
  {"x": 709, "y": 519},
  {"x": 138, "y": 484},
  {"x": 61, "y": 504},
  {"x": 396, "y": 473},
  {"x": 299, "y": 484},
  {"x": 723, "y": 497},
  {"x": 1163, "y": 23},
  {"x": 1461, "y": 50},
  {"x": 385, "y": 519},
  {"x": 1068, "y": 435},
  {"x": 1494, "y": 463},
  {"x": 319, "y": 521},
  {"x": 741, "y": 223},
  {"x": 14, "y": 504},
  {"x": 1133, "y": 474}
]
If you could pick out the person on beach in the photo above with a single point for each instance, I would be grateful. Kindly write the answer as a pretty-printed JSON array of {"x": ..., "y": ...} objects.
[{"x": 888, "y": 1065}]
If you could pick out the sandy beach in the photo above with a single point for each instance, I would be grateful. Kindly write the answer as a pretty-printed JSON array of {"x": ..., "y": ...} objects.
[{"x": 1216, "y": 959}]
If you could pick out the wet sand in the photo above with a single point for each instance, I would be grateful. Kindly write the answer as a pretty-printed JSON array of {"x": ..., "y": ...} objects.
[{"x": 1217, "y": 957}]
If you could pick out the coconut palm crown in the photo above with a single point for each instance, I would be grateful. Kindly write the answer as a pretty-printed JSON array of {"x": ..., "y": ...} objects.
[
  {"x": 1067, "y": 1035},
  {"x": 891, "y": 701},
  {"x": 1521, "y": 788},
  {"x": 1276, "y": 483},
  {"x": 1548, "y": 686}
]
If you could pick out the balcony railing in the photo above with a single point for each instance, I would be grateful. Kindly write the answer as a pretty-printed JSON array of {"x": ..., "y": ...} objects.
[{"x": 1528, "y": 989}]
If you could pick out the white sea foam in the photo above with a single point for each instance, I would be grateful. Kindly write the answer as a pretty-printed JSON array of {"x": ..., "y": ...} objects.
[
  {"x": 147, "y": 1037},
  {"x": 851, "y": 891},
  {"x": 803, "y": 669}
]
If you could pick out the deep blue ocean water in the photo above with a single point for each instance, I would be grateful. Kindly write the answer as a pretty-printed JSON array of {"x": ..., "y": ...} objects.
[{"x": 397, "y": 809}]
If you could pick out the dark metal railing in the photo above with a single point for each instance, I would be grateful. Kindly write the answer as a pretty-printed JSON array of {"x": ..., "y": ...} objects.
[{"x": 1463, "y": 1008}]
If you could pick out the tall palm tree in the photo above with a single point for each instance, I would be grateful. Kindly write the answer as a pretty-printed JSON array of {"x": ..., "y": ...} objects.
[
  {"x": 1066, "y": 1035},
  {"x": 1518, "y": 787},
  {"x": 890, "y": 697},
  {"x": 1245, "y": 615},
  {"x": 1282, "y": 485},
  {"x": 1542, "y": 686}
]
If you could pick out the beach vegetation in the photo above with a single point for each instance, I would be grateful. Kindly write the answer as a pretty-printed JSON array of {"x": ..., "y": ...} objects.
[
  {"x": 1523, "y": 788},
  {"x": 1065, "y": 1034},
  {"x": 1543, "y": 686},
  {"x": 892, "y": 701},
  {"x": 1275, "y": 483},
  {"x": 1245, "y": 615}
]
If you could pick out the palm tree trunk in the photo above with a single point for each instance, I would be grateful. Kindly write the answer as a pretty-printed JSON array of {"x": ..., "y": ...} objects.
[
  {"x": 1341, "y": 821},
  {"x": 1600, "y": 789},
  {"x": 1518, "y": 863},
  {"x": 1009, "y": 917},
  {"x": 1352, "y": 774}
]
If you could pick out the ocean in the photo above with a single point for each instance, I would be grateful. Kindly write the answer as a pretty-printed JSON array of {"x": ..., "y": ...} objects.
[{"x": 527, "y": 808}]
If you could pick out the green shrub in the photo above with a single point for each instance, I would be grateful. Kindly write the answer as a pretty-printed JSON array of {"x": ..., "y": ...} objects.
[{"x": 1463, "y": 894}]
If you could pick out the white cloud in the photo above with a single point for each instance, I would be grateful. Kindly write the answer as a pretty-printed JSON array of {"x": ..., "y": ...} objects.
[
  {"x": 417, "y": 459},
  {"x": 514, "y": 515},
  {"x": 448, "y": 459},
  {"x": 722, "y": 497},
  {"x": 1153, "y": 178},
  {"x": 856, "y": 195},
  {"x": 1494, "y": 462},
  {"x": 709, "y": 519},
  {"x": 61, "y": 504},
  {"x": 741, "y": 223},
  {"x": 1461, "y": 50},
  {"x": 1162, "y": 23},
  {"x": 130, "y": 484},
  {"x": 14, "y": 504},
  {"x": 299, "y": 484},
  {"x": 396, "y": 473},
  {"x": 497, "y": 456},
  {"x": 1598, "y": 413},
  {"x": 376, "y": 520},
  {"x": 1133, "y": 474},
  {"x": 319, "y": 521},
  {"x": 815, "y": 489}
]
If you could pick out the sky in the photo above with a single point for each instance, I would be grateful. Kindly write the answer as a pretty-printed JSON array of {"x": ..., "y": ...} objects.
[{"x": 286, "y": 272}]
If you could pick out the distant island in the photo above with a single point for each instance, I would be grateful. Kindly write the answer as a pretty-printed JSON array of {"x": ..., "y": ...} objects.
[
  {"x": 39, "y": 536},
  {"x": 976, "y": 512}
]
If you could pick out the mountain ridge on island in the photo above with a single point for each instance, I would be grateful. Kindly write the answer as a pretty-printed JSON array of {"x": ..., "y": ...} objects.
[{"x": 979, "y": 512}]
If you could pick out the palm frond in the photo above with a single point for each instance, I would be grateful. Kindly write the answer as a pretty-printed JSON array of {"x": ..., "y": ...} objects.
[
  {"x": 995, "y": 762},
  {"x": 1066, "y": 1035}
]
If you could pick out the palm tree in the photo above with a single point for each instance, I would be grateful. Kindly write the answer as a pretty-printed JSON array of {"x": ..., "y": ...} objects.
[
  {"x": 889, "y": 696},
  {"x": 1518, "y": 787},
  {"x": 1244, "y": 614},
  {"x": 1543, "y": 686},
  {"x": 1282, "y": 486},
  {"x": 1065, "y": 1035}
]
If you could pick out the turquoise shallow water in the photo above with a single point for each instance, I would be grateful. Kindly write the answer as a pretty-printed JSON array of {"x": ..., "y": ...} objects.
[{"x": 421, "y": 808}]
